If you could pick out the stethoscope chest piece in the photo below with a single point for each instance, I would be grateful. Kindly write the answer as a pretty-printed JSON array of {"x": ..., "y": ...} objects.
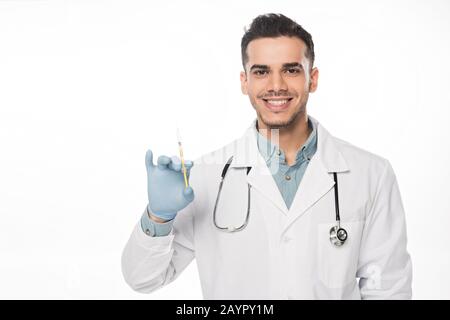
[{"x": 338, "y": 236}]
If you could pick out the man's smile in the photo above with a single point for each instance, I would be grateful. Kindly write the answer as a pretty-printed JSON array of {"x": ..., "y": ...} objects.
[{"x": 279, "y": 104}]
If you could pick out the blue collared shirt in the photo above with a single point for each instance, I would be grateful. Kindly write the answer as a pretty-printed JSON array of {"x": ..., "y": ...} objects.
[{"x": 287, "y": 177}]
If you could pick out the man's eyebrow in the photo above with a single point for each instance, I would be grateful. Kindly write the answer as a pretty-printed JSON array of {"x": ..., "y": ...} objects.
[
  {"x": 259, "y": 66},
  {"x": 292, "y": 65},
  {"x": 285, "y": 66}
]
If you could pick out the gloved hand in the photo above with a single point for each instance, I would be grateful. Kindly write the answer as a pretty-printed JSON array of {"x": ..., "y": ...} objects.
[{"x": 167, "y": 192}]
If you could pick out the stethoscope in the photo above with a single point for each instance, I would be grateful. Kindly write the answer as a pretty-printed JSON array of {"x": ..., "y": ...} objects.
[
  {"x": 338, "y": 235},
  {"x": 231, "y": 229}
]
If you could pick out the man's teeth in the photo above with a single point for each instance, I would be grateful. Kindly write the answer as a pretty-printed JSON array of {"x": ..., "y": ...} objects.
[{"x": 277, "y": 102}]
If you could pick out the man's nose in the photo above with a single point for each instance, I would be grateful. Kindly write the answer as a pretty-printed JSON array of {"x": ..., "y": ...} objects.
[{"x": 277, "y": 82}]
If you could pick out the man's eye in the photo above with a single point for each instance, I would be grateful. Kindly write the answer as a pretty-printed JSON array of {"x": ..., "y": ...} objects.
[
  {"x": 260, "y": 72},
  {"x": 293, "y": 70}
]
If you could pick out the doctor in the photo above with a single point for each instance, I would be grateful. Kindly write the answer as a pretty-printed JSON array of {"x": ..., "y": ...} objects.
[{"x": 287, "y": 211}]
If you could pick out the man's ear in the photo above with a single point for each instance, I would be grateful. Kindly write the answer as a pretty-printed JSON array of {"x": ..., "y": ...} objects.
[
  {"x": 314, "y": 79},
  {"x": 243, "y": 78}
]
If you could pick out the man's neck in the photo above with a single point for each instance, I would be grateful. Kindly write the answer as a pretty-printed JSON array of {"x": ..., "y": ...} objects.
[{"x": 290, "y": 138}]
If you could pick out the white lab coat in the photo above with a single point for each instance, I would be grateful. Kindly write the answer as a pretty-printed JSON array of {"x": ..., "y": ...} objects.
[{"x": 283, "y": 253}]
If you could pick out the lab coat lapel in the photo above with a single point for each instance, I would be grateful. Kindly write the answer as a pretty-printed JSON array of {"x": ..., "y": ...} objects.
[
  {"x": 262, "y": 180},
  {"x": 317, "y": 180},
  {"x": 315, "y": 183},
  {"x": 260, "y": 177}
]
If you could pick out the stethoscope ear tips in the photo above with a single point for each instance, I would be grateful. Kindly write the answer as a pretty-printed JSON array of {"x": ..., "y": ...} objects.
[{"x": 338, "y": 236}]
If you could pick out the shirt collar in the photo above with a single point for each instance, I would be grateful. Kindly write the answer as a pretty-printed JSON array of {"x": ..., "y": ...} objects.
[{"x": 270, "y": 151}]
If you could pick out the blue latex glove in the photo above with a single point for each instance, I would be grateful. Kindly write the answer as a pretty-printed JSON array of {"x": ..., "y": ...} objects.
[{"x": 167, "y": 193}]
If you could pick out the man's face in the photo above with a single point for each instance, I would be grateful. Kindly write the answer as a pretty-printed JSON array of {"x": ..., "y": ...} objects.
[{"x": 278, "y": 80}]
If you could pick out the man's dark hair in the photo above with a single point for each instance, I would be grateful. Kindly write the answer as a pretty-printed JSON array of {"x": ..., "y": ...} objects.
[{"x": 274, "y": 25}]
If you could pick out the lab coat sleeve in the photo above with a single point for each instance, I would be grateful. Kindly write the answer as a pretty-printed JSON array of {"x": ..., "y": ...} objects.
[
  {"x": 149, "y": 263},
  {"x": 384, "y": 266}
]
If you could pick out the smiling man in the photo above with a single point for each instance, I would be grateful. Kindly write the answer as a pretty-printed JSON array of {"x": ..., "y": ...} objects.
[{"x": 287, "y": 211}]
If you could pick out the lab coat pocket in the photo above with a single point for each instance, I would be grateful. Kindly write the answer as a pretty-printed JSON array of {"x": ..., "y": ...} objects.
[{"x": 337, "y": 265}]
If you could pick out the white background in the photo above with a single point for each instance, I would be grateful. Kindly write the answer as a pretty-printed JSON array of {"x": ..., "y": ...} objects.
[{"x": 87, "y": 86}]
